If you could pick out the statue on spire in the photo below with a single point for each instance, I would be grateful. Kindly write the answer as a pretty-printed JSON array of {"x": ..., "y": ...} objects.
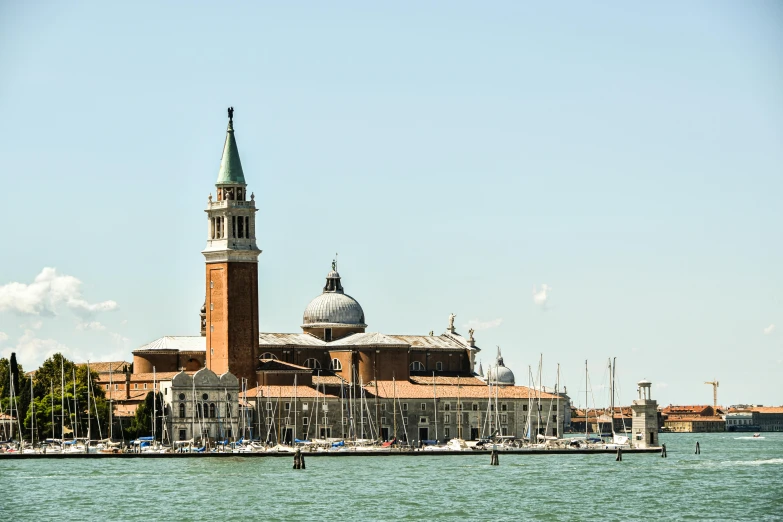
[{"x": 231, "y": 114}]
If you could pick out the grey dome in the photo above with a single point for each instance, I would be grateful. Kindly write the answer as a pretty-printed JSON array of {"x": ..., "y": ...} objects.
[
  {"x": 333, "y": 308},
  {"x": 501, "y": 376}
]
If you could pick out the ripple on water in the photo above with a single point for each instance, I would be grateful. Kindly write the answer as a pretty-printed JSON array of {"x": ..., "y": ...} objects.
[{"x": 465, "y": 487}]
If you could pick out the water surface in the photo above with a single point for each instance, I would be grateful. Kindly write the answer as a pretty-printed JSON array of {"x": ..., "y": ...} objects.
[{"x": 734, "y": 478}]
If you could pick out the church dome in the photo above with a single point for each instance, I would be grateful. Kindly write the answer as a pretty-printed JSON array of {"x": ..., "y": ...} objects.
[
  {"x": 499, "y": 374},
  {"x": 333, "y": 308}
]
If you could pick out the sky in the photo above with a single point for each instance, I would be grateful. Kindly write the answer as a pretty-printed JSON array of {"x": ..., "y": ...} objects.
[{"x": 575, "y": 181}]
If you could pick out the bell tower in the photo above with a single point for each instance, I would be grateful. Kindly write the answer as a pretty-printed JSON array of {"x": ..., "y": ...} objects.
[{"x": 231, "y": 256}]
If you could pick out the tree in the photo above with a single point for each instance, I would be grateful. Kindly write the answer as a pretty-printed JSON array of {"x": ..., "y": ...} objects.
[
  {"x": 141, "y": 426},
  {"x": 53, "y": 385}
]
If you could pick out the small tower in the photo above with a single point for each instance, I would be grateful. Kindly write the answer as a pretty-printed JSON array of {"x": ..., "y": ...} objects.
[
  {"x": 645, "y": 417},
  {"x": 231, "y": 269}
]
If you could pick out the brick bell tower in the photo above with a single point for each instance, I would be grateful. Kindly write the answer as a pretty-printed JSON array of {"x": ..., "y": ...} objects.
[{"x": 232, "y": 270}]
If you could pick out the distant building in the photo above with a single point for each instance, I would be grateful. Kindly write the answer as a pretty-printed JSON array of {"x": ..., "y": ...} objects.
[{"x": 692, "y": 419}]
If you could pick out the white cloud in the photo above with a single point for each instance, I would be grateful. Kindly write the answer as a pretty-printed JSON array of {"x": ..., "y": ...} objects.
[
  {"x": 32, "y": 351},
  {"x": 48, "y": 290},
  {"x": 119, "y": 338},
  {"x": 482, "y": 325},
  {"x": 3, "y": 337},
  {"x": 541, "y": 296},
  {"x": 769, "y": 329},
  {"x": 661, "y": 385},
  {"x": 92, "y": 325}
]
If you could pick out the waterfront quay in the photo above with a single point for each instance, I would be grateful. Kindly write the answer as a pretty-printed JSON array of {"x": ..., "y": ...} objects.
[{"x": 390, "y": 453}]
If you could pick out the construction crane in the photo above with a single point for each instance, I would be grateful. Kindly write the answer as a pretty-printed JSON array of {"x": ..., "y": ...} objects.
[{"x": 715, "y": 385}]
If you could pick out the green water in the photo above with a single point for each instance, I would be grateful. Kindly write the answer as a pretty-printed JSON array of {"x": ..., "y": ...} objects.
[{"x": 733, "y": 479}]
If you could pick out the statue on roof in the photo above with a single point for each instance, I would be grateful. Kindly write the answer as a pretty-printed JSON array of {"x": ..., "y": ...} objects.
[
  {"x": 230, "y": 114},
  {"x": 470, "y": 335},
  {"x": 334, "y": 265},
  {"x": 452, "y": 316}
]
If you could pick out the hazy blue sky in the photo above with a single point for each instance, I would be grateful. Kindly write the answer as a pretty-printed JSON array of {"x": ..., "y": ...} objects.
[{"x": 581, "y": 180}]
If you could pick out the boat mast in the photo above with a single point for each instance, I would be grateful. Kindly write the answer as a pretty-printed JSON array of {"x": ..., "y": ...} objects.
[
  {"x": 435, "y": 405},
  {"x": 75, "y": 405},
  {"x": 32, "y": 413},
  {"x": 585, "y": 400},
  {"x": 459, "y": 411},
  {"x": 557, "y": 392},
  {"x": 88, "y": 402},
  {"x": 154, "y": 406},
  {"x": 394, "y": 405},
  {"x": 111, "y": 402},
  {"x": 62, "y": 400},
  {"x": 51, "y": 395}
]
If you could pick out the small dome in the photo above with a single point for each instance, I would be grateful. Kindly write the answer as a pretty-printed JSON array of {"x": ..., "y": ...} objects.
[
  {"x": 501, "y": 376},
  {"x": 644, "y": 382}
]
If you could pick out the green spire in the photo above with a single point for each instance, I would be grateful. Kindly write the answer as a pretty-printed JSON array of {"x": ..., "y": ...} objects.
[{"x": 230, "y": 166}]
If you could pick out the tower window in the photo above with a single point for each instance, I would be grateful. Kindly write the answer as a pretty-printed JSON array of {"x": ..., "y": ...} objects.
[
  {"x": 247, "y": 227},
  {"x": 233, "y": 226},
  {"x": 327, "y": 334},
  {"x": 241, "y": 227}
]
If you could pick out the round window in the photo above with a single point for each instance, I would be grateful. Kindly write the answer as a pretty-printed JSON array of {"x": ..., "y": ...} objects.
[
  {"x": 182, "y": 396},
  {"x": 205, "y": 396}
]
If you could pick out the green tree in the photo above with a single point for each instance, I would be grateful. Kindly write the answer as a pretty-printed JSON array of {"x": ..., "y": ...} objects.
[{"x": 141, "y": 426}]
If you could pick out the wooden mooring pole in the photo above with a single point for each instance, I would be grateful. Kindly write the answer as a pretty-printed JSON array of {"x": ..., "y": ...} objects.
[
  {"x": 619, "y": 457},
  {"x": 698, "y": 449},
  {"x": 299, "y": 461},
  {"x": 493, "y": 458},
  {"x": 663, "y": 451}
]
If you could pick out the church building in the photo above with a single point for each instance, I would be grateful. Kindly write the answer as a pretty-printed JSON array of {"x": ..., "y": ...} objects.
[{"x": 334, "y": 378}]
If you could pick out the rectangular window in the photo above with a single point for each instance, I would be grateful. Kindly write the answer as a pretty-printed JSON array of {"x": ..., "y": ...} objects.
[
  {"x": 115, "y": 386},
  {"x": 404, "y": 406},
  {"x": 422, "y": 420},
  {"x": 383, "y": 420},
  {"x": 503, "y": 407},
  {"x": 181, "y": 434},
  {"x": 326, "y": 420},
  {"x": 326, "y": 433},
  {"x": 327, "y": 334},
  {"x": 247, "y": 227},
  {"x": 304, "y": 406},
  {"x": 287, "y": 406},
  {"x": 135, "y": 386},
  {"x": 439, "y": 366},
  {"x": 504, "y": 418},
  {"x": 459, "y": 406},
  {"x": 554, "y": 419},
  {"x": 446, "y": 406},
  {"x": 304, "y": 421},
  {"x": 504, "y": 430},
  {"x": 446, "y": 433},
  {"x": 475, "y": 406},
  {"x": 269, "y": 406},
  {"x": 383, "y": 407},
  {"x": 524, "y": 407},
  {"x": 405, "y": 420},
  {"x": 447, "y": 419},
  {"x": 423, "y": 405}
]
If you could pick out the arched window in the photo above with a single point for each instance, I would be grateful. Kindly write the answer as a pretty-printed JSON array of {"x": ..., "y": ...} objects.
[
  {"x": 312, "y": 363},
  {"x": 198, "y": 410},
  {"x": 206, "y": 410},
  {"x": 182, "y": 409},
  {"x": 439, "y": 366},
  {"x": 228, "y": 410},
  {"x": 212, "y": 410},
  {"x": 416, "y": 366},
  {"x": 336, "y": 365},
  {"x": 266, "y": 356}
]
